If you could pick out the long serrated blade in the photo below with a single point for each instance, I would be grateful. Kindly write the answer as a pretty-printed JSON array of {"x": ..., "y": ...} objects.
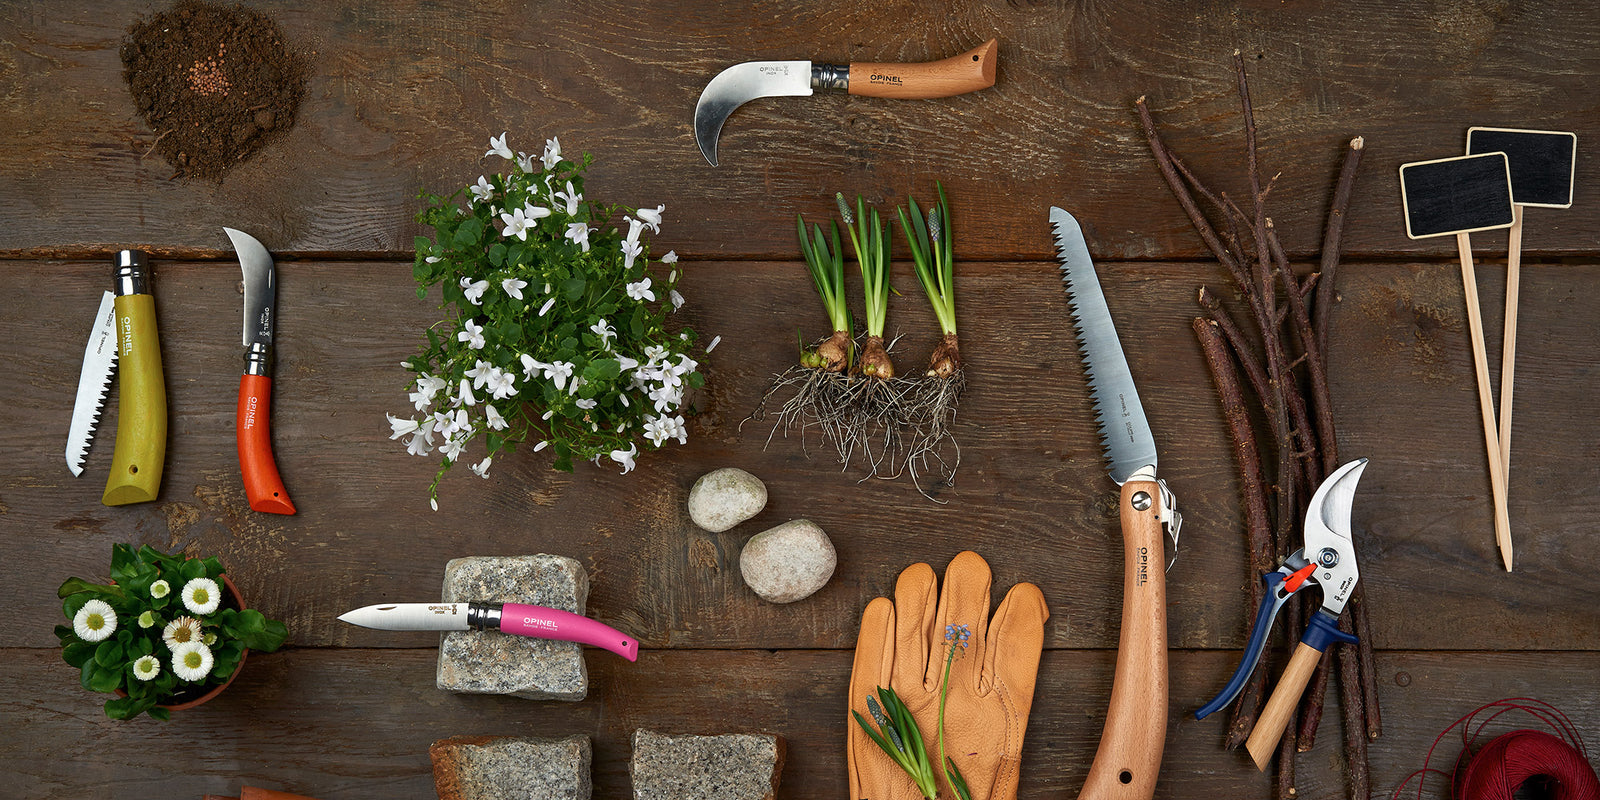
[
  {"x": 260, "y": 287},
  {"x": 94, "y": 380},
  {"x": 1124, "y": 430}
]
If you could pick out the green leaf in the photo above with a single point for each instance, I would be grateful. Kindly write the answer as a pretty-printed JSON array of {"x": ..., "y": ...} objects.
[
  {"x": 99, "y": 679},
  {"x": 78, "y": 653},
  {"x": 123, "y": 561},
  {"x": 497, "y": 254},
  {"x": 190, "y": 570},
  {"x": 573, "y": 288},
  {"x": 109, "y": 654},
  {"x": 603, "y": 369},
  {"x": 127, "y": 707},
  {"x": 636, "y": 322},
  {"x": 73, "y": 586}
]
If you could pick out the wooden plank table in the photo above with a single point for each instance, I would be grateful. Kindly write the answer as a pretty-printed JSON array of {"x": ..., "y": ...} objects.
[{"x": 404, "y": 95}]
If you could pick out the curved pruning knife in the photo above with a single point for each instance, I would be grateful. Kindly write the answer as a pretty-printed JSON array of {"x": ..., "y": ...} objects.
[
  {"x": 1129, "y": 757},
  {"x": 254, "y": 433},
  {"x": 1328, "y": 559}
]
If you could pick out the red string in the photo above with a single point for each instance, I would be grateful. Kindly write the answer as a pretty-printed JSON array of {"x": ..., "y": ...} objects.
[{"x": 1557, "y": 762}]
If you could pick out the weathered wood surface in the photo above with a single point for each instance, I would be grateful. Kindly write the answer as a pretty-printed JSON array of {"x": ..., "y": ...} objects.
[
  {"x": 1030, "y": 490},
  {"x": 404, "y": 95},
  {"x": 352, "y": 724}
]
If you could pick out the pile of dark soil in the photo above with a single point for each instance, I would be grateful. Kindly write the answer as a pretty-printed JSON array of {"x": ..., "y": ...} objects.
[{"x": 214, "y": 82}]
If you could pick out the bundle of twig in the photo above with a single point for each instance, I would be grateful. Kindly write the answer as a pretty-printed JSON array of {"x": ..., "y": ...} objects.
[{"x": 1283, "y": 361}]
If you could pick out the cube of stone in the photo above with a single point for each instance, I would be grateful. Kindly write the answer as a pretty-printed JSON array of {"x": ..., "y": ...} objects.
[
  {"x": 512, "y": 768},
  {"x": 491, "y": 662},
  {"x": 739, "y": 766}
]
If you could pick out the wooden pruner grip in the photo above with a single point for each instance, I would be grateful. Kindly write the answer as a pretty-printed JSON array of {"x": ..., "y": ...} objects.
[
  {"x": 968, "y": 72},
  {"x": 1263, "y": 742},
  {"x": 1129, "y": 758}
]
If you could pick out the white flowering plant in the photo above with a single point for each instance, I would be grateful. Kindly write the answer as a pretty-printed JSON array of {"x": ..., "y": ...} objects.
[
  {"x": 161, "y": 632},
  {"x": 555, "y": 326}
]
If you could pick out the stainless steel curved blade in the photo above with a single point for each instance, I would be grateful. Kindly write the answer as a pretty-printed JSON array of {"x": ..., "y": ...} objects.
[
  {"x": 1328, "y": 543},
  {"x": 94, "y": 380},
  {"x": 1124, "y": 430},
  {"x": 739, "y": 84},
  {"x": 260, "y": 287}
]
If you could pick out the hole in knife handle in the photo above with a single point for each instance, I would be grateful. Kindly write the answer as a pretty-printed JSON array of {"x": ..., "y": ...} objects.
[
  {"x": 1125, "y": 776},
  {"x": 133, "y": 469}
]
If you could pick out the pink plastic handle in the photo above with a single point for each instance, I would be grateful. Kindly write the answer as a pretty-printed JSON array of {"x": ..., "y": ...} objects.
[{"x": 553, "y": 623}]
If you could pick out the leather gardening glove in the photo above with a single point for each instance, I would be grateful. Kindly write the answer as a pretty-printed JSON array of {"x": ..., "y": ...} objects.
[{"x": 903, "y": 645}]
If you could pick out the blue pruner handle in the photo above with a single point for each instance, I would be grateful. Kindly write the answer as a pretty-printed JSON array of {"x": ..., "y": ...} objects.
[
  {"x": 1270, "y": 603},
  {"x": 1323, "y": 631}
]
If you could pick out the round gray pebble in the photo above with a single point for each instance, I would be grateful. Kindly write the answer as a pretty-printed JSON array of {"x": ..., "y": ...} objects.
[
  {"x": 789, "y": 562},
  {"x": 726, "y": 497}
]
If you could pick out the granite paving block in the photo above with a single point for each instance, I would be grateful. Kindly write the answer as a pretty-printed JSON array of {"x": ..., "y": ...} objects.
[
  {"x": 491, "y": 662},
  {"x": 736, "y": 766},
  {"x": 512, "y": 768}
]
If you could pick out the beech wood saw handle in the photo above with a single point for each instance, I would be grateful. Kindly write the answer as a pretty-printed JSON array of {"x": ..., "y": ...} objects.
[
  {"x": 1129, "y": 759},
  {"x": 968, "y": 72},
  {"x": 1263, "y": 742}
]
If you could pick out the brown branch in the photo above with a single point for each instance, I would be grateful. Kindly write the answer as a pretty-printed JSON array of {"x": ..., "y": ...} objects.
[
  {"x": 1175, "y": 183},
  {"x": 1258, "y": 524},
  {"x": 1332, "y": 235},
  {"x": 1355, "y": 738},
  {"x": 1316, "y": 365},
  {"x": 1369, "y": 664}
]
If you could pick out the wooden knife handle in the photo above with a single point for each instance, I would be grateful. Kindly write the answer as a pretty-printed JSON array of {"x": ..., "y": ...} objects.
[
  {"x": 254, "y": 433},
  {"x": 1263, "y": 742},
  {"x": 968, "y": 72},
  {"x": 141, "y": 405},
  {"x": 1129, "y": 759}
]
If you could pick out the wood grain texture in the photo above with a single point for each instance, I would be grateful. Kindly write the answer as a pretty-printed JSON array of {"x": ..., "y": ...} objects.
[
  {"x": 1031, "y": 495},
  {"x": 405, "y": 94},
  {"x": 352, "y": 724}
]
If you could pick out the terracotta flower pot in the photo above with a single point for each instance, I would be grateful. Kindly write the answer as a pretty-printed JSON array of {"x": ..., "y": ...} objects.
[{"x": 236, "y": 600}]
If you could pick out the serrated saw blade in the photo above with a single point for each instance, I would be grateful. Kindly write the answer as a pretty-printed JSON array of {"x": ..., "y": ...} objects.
[
  {"x": 1124, "y": 430},
  {"x": 99, "y": 366}
]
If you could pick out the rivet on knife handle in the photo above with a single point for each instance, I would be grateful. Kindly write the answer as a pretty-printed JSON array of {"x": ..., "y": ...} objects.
[{"x": 141, "y": 391}]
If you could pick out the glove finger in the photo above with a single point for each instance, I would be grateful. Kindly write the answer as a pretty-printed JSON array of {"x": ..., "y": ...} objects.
[
  {"x": 964, "y": 601},
  {"x": 868, "y": 766},
  {"x": 914, "y": 609},
  {"x": 1016, "y": 638}
]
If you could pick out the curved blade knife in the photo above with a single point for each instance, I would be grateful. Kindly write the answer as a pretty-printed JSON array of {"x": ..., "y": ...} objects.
[
  {"x": 1129, "y": 758},
  {"x": 741, "y": 83},
  {"x": 262, "y": 485}
]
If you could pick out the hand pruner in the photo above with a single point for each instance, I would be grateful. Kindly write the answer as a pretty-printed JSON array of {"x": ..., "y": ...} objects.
[{"x": 1328, "y": 560}]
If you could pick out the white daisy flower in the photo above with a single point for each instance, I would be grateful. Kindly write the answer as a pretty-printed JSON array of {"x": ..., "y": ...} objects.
[
  {"x": 180, "y": 632},
  {"x": 146, "y": 667},
  {"x": 160, "y": 589},
  {"x": 148, "y": 619},
  {"x": 95, "y": 621},
  {"x": 202, "y": 596},
  {"x": 192, "y": 661}
]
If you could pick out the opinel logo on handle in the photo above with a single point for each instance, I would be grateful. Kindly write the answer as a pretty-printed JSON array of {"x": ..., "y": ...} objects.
[
  {"x": 968, "y": 72},
  {"x": 261, "y": 482},
  {"x": 1129, "y": 758},
  {"x": 141, "y": 398}
]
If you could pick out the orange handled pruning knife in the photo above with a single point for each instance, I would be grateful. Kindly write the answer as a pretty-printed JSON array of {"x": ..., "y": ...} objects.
[{"x": 262, "y": 485}]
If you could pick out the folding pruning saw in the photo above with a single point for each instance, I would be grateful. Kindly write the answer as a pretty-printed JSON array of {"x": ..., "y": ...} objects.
[{"x": 1328, "y": 560}]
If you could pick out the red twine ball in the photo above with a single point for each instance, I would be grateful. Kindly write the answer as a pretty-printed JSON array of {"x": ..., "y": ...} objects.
[
  {"x": 1557, "y": 764},
  {"x": 1511, "y": 760}
]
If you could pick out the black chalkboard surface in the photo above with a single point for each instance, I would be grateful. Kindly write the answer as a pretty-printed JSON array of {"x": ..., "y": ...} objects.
[
  {"x": 1456, "y": 195},
  {"x": 1542, "y": 162}
]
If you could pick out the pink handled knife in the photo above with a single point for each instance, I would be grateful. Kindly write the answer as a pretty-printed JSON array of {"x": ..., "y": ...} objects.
[{"x": 514, "y": 618}]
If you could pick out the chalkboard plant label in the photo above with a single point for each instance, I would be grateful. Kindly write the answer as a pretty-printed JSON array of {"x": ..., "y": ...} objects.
[
  {"x": 166, "y": 633},
  {"x": 556, "y": 324},
  {"x": 1542, "y": 164},
  {"x": 1449, "y": 196}
]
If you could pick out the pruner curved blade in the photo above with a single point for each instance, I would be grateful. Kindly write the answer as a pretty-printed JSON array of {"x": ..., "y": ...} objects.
[{"x": 1328, "y": 560}]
